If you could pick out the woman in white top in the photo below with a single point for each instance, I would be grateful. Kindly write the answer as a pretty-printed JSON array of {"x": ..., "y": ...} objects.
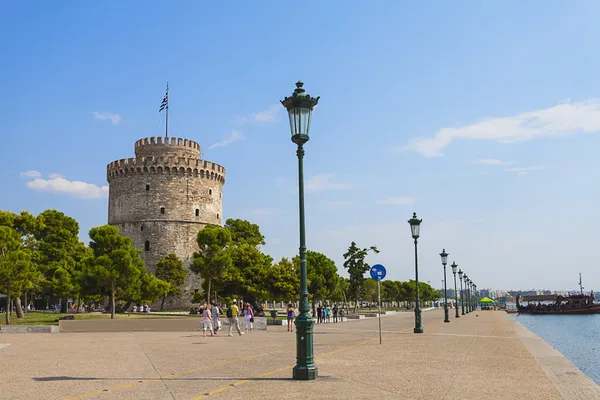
[
  {"x": 249, "y": 318},
  {"x": 207, "y": 321}
]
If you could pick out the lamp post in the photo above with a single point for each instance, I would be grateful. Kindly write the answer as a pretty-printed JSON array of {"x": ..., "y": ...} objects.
[
  {"x": 467, "y": 292},
  {"x": 462, "y": 295},
  {"x": 415, "y": 227},
  {"x": 470, "y": 294},
  {"x": 454, "y": 266},
  {"x": 444, "y": 256},
  {"x": 299, "y": 107},
  {"x": 475, "y": 297}
]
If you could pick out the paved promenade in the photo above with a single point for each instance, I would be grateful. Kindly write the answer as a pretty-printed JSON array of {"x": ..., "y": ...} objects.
[{"x": 475, "y": 357}]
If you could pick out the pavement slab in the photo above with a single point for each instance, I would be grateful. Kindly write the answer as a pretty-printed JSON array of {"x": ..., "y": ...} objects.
[{"x": 480, "y": 355}]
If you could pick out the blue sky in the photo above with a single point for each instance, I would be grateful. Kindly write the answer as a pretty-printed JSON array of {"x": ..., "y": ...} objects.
[{"x": 480, "y": 116}]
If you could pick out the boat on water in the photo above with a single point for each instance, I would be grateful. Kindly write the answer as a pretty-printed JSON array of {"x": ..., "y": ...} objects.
[{"x": 557, "y": 304}]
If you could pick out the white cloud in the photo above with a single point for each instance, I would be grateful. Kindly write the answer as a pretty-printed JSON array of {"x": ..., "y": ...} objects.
[
  {"x": 234, "y": 137},
  {"x": 270, "y": 114},
  {"x": 323, "y": 182},
  {"x": 54, "y": 175},
  {"x": 114, "y": 118},
  {"x": 339, "y": 204},
  {"x": 57, "y": 184},
  {"x": 525, "y": 170},
  {"x": 488, "y": 161},
  {"x": 31, "y": 174},
  {"x": 561, "y": 119},
  {"x": 398, "y": 200}
]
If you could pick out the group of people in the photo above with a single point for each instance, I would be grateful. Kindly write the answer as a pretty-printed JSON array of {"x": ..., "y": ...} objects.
[
  {"x": 324, "y": 314},
  {"x": 211, "y": 315}
]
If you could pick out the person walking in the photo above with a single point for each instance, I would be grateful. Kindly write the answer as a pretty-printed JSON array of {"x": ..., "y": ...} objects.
[
  {"x": 335, "y": 313},
  {"x": 319, "y": 312},
  {"x": 291, "y": 314},
  {"x": 232, "y": 315},
  {"x": 327, "y": 314},
  {"x": 249, "y": 318},
  {"x": 207, "y": 321},
  {"x": 216, "y": 312}
]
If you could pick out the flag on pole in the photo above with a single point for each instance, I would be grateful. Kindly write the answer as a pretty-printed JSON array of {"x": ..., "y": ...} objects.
[{"x": 165, "y": 102}]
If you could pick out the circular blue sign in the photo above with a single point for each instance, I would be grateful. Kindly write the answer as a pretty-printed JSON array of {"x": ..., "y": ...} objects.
[{"x": 377, "y": 272}]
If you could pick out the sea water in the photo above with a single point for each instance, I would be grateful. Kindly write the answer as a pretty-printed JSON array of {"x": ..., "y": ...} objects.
[{"x": 577, "y": 337}]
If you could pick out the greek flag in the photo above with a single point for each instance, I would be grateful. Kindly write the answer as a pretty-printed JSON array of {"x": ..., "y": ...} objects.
[{"x": 165, "y": 102}]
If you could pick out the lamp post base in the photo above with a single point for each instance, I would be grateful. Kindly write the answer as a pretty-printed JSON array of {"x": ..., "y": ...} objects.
[
  {"x": 308, "y": 373},
  {"x": 418, "y": 326},
  {"x": 446, "y": 319},
  {"x": 305, "y": 369}
]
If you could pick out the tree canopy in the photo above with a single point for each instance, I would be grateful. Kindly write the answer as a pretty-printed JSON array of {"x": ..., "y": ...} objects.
[
  {"x": 170, "y": 269},
  {"x": 212, "y": 258}
]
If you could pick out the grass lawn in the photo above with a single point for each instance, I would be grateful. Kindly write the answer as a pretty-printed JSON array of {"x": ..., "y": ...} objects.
[{"x": 48, "y": 318}]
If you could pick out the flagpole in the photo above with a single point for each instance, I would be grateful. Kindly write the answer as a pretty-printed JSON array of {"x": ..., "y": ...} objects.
[{"x": 167, "y": 119}]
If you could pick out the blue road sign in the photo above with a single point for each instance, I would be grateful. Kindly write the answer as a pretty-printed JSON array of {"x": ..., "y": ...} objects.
[{"x": 378, "y": 272}]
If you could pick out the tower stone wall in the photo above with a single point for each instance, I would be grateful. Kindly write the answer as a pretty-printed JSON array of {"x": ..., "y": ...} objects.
[{"x": 162, "y": 198}]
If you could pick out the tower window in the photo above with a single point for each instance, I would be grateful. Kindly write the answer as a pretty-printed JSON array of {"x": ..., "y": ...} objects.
[
  {"x": 217, "y": 216},
  {"x": 147, "y": 246},
  {"x": 197, "y": 212},
  {"x": 142, "y": 228},
  {"x": 162, "y": 210},
  {"x": 147, "y": 187},
  {"x": 209, "y": 191}
]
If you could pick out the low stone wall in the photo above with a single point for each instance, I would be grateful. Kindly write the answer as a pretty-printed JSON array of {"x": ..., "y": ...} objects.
[
  {"x": 355, "y": 316},
  {"x": 147, "y": 325},
  {"x": 29, "y": 329}
]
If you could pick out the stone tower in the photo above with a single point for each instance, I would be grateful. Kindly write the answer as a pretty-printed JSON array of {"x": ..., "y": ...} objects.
[{"x": 162, "y": 198}]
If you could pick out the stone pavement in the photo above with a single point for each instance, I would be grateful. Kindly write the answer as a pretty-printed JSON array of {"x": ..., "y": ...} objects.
[{"x": 488, "y": 356}]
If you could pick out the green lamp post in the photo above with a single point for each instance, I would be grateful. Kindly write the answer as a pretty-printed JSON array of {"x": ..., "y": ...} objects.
[
  {"x": 462, "y": 295},
  {"x": 444, "y": 256},
  {"x": 299, "y": 107},
  {"x": 475, "y": 297},
  {"x": 415, "y": 227},
  {"x": 467, "y": 292},
  {"x": 454, "y": 266},
  {"x": 470, "y": 295}
]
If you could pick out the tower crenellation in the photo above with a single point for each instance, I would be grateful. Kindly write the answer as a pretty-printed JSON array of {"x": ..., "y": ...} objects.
[
  {"x": 167, "y": 146},
  {"x": 162, "y": 198}
]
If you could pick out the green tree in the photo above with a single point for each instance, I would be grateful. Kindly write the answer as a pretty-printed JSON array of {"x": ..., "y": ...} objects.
[
  {"x": 370, "y": 290},
  {"x": 58, "y": 251},
  {"x": 283, "y": 281},
  {"x": 115, "y": 264},
  {"x": 248, "y": 277},
  {"x": 322, "y": 274},
  {"x": 357, "y": 267},
  {"x": 170, "y": 269},
  {"x": 212, "y": 259},
  {"x": 15, "y": 265},
  {"x": 243, "y": 231},
  {"x": 25, "y": 225}
]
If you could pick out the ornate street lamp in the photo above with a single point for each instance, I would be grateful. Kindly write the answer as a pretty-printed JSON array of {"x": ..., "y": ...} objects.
[
  {"x": 454, "y": 266},
  {"x": 444, "y": 256},
  {"x": 475, "y": 297},
  {"x": 467, "y": 292},
  {"x": 415, "y": 226},
  {"x": 462, "y": 295},
  {"x": 299, "y": 107}
]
